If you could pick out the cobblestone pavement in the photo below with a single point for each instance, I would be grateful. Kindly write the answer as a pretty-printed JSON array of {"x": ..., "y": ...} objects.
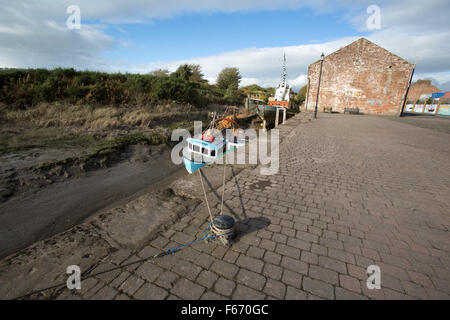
[{"x": 352, "y": 191}]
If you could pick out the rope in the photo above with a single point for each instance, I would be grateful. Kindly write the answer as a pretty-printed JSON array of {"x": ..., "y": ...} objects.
[
  {"x": 206, "y": 236},
  {"x": 222, "y": 234},
  {"x": 223, "y": 183},
  {"x": 206, "y": 198}
]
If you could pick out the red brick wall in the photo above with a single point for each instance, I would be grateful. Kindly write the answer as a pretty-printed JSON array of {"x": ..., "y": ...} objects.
[
  {"x": 361, "y": 75},
  {"x": 421, "y": 87}
]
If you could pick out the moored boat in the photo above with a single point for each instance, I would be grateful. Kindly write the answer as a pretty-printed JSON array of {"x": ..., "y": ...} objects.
[{"x": 211, "y": 145}]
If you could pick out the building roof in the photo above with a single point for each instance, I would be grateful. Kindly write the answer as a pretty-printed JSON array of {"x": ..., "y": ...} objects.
[{"x": 363, "y": 41}]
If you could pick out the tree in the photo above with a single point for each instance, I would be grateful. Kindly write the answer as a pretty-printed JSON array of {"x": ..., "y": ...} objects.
[
  {"x": 190, "y": 72},
  {"x": 301, "y": 95},
  {"x": 159, "y": 72},
  {"x": 197, "y": 74},
  {"x": 229, "y": 77}
]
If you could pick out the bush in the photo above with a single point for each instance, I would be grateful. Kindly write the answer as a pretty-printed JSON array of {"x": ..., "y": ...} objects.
[{"x": 24, "y": 88}]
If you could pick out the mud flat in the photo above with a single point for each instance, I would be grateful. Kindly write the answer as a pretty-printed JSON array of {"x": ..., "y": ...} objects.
[
  {"x": 109, "y": 237},
  {"x": 42, "y": 212}
]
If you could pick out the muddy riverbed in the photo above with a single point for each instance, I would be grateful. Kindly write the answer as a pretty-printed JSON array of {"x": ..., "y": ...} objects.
[{"x": 39, "y": 209}]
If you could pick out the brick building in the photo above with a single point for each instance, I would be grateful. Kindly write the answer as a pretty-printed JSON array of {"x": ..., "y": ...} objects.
[
  {"x": 419, "y": 88},
  {"x": 361, "y": 75}
]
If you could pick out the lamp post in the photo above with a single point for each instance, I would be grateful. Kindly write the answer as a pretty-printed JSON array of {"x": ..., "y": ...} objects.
[{"x": 318, "y": 86}]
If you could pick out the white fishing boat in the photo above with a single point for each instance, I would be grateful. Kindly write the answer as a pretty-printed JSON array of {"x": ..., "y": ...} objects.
[{"x": 211, "y": 145}]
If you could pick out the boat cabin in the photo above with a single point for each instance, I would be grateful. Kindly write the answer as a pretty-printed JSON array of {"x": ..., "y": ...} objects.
[{"x": 207, "y": 147}]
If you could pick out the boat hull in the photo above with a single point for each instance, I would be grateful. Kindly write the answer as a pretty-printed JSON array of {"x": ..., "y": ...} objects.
[
  {"x": 266, "y": 110},
  {"x": 192, "y": 166}
]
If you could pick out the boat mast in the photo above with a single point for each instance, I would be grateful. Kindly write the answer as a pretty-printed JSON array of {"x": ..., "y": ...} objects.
[{"x": 284, "y": 71}]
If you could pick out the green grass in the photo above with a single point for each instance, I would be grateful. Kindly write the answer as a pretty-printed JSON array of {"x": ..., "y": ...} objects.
[{"x": 43, "y": 138}]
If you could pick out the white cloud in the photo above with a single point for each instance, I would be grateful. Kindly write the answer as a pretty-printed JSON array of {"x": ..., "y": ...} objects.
[
  {"x": 29, "y": 39},
  {"x": 258, "y": 65},
  {"x": 33, "y": 34}
]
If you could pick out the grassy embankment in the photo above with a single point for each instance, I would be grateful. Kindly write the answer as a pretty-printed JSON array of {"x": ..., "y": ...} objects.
[{"x": 102, "y": 113}]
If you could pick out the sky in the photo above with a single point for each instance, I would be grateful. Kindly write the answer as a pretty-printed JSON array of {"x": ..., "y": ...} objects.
[{"x": 139, "y": 36}]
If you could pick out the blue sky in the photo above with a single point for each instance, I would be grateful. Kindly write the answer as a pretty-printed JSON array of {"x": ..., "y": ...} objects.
[
  {"x": 143, "y": 35},
  {"x": 194, "y": 35}
]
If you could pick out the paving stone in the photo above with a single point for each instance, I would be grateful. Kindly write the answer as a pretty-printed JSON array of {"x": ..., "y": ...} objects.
[
  {"x": 148, "y": 251},
  {"x": 207, "y": 278},
  {"x": 210, "y": 295},
  {"x": 120, "y": 279},
  {"x": 219, "y": 252},
  {"x": 255, "y": 252},
  {"x": 231, "y": 256},
  {"x": 131, "y": 284},
  {"x": 295, "y": 294},
  {"x": 341, "y": 255},
  {"x": 421, "y": 279},
  {"x": 326, "y": 275},
  {"x": 203, "y": 260},
  {"x": 395, "y": 295},
  {"x": 225, "y": 269},
  {"x": 167, "y": 279},
  {"x": 319, "y": 288},
  {"x": 187, "y": 290},
  {"x": 87, "y": 284},
  {"x": 292, "y": 278},
  {"x": 250, "y": 263},
  {"x": 299, "y": 244},
  {"x": 436, "y": 294},
  {"x": 319, "y": 249},
  {"x": 149, "y": 291},
  {"x": 307, "y": 236},
  {"x": 288, "y": 251},
  {"x": 251, "y": 279},
  {"x": 350, "y": 283},
  {"x": 343, "y": 294},
  {"x": 106, "y": 293},
  {"x": 68, "y": 295},
  {"x": 279, "y": 238},
  {"x": 133, "y": 266},
  {"x": 377, "y": 294},
  {"x": 120, "y": 255},
  {"x": 272, "y": 257},
  {"x": 224, "y": 286},
  {"x": 245, "y": 293},
  {"x": 331, "y": 243},
  {"x": 149, "y": 271},
  {"x": 294, "y": 265},
  {"x": 268, "y": 244},
  {"x": 391, "y": 282},
  {"x": 272, "y": 271},
  {"x": 187, "y": 269},
  {"x": 333, "y": 264},
  {"x": 275, "y": 289},
  {"x": 310, "y": 258},
  {"x": 414, "y": 290}
]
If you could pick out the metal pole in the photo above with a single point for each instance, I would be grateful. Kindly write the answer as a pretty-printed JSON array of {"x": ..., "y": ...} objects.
[
  {"x": 318, "y": 86},
  {"x": 407, "y": 89},
  {"x": 277, "y": 117}
]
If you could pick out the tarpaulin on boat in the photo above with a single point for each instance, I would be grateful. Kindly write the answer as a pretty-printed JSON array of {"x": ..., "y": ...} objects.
[{"x": 437, "y": 95}]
